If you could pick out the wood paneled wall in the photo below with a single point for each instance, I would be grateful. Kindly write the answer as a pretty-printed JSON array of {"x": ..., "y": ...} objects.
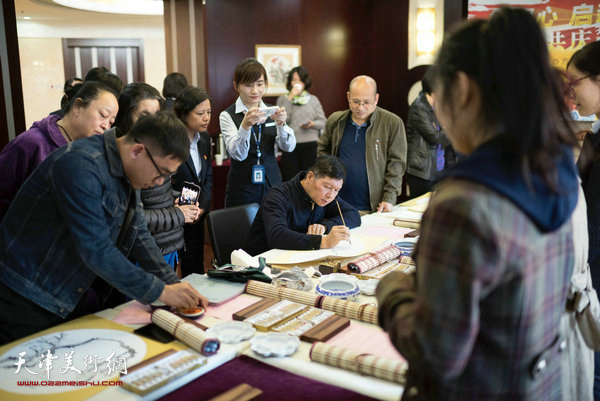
[
  {"x": 340, "y": 39},
  {"x": 185, "y": 42}
]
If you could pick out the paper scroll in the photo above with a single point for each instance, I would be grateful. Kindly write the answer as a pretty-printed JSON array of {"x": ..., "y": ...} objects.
[
  {"x": 366, "y": 313},
  {"x": 374, "y": 259},
  {"x": 407, "y": 222},
  {"x": 365, "y": 364},
  {"x": 186, "y": 332},
  {"x": 265, "y": 290}
]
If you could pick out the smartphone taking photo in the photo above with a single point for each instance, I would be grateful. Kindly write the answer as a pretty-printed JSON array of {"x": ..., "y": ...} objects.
[{"x": 189, "y": 193}]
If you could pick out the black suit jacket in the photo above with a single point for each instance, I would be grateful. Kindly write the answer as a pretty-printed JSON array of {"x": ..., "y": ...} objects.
[{"x": 187, "y": 172}]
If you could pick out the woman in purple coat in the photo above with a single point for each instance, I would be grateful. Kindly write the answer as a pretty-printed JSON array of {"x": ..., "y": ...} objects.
[{"x": 91, "y": 111}]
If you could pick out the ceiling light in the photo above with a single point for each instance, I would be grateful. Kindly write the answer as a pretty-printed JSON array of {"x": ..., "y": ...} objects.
[{"x": 139, "y": 7}]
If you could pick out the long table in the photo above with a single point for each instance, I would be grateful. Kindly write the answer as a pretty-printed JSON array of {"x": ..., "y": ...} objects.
[{"x": 360, "y": 336}]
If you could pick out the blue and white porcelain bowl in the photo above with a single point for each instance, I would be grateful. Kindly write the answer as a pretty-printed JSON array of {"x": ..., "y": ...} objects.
[{"x": 339, "y": 285}]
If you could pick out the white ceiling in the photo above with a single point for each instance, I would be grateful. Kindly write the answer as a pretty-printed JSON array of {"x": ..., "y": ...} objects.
[{"x": 42, "y": 10}]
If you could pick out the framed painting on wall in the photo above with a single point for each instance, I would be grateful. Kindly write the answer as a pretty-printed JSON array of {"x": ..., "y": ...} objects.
[{"x": 278, "y": 60}]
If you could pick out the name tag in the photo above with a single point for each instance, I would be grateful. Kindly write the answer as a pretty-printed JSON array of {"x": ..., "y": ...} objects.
[
  {"x": 271, "y": 124},
  {"x": 258, "y": 174}
]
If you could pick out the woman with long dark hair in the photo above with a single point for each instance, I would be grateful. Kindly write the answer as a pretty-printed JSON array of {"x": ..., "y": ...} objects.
[{"x": 480, "y": 318}]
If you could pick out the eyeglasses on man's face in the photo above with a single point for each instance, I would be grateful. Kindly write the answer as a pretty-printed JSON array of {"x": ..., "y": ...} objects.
[
  {"x": 358, "y": 103},
  {"x": 166, "y": 176}
]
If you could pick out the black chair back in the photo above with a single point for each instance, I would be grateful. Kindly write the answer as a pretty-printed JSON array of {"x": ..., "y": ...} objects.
[{"x": 228, "y": 229}]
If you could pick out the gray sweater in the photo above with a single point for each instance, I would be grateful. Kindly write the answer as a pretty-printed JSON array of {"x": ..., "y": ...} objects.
[{"x": 303, "y": 113}]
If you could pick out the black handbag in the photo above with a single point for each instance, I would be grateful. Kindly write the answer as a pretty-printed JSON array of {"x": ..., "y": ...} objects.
[{"x": 240, "y": 274}]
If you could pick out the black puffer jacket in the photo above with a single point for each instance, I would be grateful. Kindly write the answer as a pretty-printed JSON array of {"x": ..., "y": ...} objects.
[
  {"x": 423, "y": 138},
  {"x": 165, "y": 221}
]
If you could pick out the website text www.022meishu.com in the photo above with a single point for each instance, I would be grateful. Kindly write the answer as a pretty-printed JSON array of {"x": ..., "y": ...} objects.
[{"x": 69, "y": 383}]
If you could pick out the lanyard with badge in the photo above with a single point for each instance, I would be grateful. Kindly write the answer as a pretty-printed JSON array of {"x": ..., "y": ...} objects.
[{"x": 258, "y": 170}]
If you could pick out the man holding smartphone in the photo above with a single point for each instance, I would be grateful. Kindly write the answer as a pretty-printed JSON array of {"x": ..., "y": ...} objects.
[{"x": 78, "y": 218}]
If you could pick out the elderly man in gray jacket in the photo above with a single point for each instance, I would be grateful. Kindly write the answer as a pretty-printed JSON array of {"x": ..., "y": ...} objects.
[{"x": 371, "y": 142}]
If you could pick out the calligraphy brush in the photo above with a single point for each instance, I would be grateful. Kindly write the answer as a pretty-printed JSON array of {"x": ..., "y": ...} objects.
[{"x": 342, "y": 216}]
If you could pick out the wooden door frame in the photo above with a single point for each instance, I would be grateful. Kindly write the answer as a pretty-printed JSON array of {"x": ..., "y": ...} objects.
[{"x": 80, "y": 42}]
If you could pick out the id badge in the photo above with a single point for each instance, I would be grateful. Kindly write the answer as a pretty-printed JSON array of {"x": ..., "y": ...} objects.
[{"x": 258, "y": 174}]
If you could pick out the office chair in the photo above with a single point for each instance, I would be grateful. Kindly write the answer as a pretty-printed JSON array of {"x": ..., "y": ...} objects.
[{"x": 228, "y": 229}]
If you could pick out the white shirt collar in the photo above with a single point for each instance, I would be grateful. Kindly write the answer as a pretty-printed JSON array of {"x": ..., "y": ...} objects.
[{"x": 196, "y": 138}]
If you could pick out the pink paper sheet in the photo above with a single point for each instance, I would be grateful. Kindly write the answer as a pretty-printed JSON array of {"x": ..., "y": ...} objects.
[
  {"x": 366, "y": 339},
  {"x": 226, "y": 309},
  {"x": 137, "y": 313}
]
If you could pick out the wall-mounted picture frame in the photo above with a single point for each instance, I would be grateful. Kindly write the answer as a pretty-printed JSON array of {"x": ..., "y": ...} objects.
[{"x": 278, "y": 60}]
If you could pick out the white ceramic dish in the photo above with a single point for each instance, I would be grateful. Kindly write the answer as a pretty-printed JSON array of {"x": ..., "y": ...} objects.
[
  {"x": 339, "y": 285},
  {"x": 275, "y": 344},
  {"x": 231, "y": 332}
]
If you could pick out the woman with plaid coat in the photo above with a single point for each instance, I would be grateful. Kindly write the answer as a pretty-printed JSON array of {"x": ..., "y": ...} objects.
[{"x": 480, "y": 318}]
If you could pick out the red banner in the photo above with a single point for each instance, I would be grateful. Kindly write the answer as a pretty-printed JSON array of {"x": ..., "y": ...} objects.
[{"x": 569, "y": 24}]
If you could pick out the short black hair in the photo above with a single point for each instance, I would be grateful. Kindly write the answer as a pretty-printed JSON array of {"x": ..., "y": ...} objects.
[
  {"x": 329, "y": 166},
  {"x": 187, "y": 100},
  {"x": 102, "y": 74},
  {"x": 302, "y": 74},
  {"x": 86, "y": 93},
  {"x": 249, "y": 71},
  {"x": 131, "y": 96},
  {"x": 164, "y": 133},
  {"x": 173, "y": 84}
]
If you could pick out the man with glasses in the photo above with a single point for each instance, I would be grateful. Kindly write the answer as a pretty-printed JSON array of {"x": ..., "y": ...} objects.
[
  {"x": 371, "y": 142},
  {"x": 78, "y": 218}
]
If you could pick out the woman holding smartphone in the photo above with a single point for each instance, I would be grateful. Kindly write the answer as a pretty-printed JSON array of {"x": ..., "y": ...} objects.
[
  {"x": 192, "y": 106},
  {"x": 164, "y": 216},
  {"x": 250, "y": 137}
]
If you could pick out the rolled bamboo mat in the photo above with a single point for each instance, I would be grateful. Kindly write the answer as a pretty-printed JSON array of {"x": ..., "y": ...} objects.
[
  {"x": 265, "y": 290},
  {"x": 365, "y": 364},
  {"x": 365, "y": 313},
  {"x": 374, "y": 259},
  {"x": 187, "y": 333}
]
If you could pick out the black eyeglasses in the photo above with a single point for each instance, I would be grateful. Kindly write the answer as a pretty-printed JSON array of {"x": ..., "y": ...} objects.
[
  {"x": 575, "y": 82},
  {"x": 166, "y": 176}
]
